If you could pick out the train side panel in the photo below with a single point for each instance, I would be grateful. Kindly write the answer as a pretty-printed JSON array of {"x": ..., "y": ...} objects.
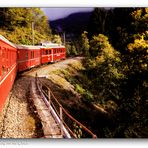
[
  {"x": 8, "y": 69},
  {"x": 23, "y": 63},
  {"x": 28, "y": 57},
  {"x": 34, "y": 58},
  {"x": 46, "y": 55},
  {"x": 58, "y": 53},
  {"x": 20, "y": 58}
]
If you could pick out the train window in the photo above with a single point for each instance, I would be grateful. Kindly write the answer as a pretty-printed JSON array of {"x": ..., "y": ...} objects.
[
  {"x": 3, "y": 70},
  {"x": 32, "y": 54},
  {"x": 3, "y": 53},
  {"x": 46, "y": 52},
  {"x": 9, "y": 57},
  {"x": 49, "y": 51},
  {"x": 54, "y": 50},
  {"x": 4, "y": 61},
  {"x": 26, "y": 55}
]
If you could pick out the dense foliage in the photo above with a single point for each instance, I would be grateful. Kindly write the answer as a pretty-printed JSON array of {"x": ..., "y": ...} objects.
[
  {"x": 16, "y": 25},
  {"x": 116, "y": 68}
]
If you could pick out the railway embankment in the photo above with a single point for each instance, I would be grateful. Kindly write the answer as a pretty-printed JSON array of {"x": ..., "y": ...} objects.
[{"x": 20, "y": 118}]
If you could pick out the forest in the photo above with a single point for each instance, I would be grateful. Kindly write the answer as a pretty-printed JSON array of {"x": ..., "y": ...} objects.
[
  {"x": 115, "y": 77},
  {"x": 18, "y": 25},
  {"x": 115, "y": 47}
]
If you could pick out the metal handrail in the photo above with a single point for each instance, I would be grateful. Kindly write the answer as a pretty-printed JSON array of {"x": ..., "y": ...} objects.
[{"x": 66, "y": 113}]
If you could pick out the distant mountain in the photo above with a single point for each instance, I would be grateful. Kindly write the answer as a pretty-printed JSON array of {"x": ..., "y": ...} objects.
[{"x": 75, "y": 23}]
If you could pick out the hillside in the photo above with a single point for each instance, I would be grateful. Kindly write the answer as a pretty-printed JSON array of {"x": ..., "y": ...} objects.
[
  {"x": 75, "y": 23},
  {"x": 19, "y": 24}
]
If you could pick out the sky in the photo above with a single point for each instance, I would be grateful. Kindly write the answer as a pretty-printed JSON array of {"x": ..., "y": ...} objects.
[{"x": 56, "y": 13}]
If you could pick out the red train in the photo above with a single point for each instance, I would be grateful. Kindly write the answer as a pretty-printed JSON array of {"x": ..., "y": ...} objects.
[{"x": 16, "y": 58}]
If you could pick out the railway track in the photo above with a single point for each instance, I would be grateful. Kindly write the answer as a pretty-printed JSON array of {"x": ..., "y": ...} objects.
[
  {"x": 50, "y": 67},
  {"x": 56, "y": 121}
]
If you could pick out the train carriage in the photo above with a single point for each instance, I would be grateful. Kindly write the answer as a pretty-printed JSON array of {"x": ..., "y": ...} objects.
[
  {"x": 52, "y": 52},
  {"x": 8, "y": 68},
  {"x": 28, "y": 57},
  {"x": 15, "y": 58},
  {"x": 46, "y": 55},
  {"x": 58, "y": 53}
]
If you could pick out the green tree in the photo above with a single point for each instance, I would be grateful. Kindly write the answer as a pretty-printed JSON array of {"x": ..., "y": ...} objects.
[
  {"x": 85, "y": 43},
  {"x": 16, "y": 25},
  {"x": 57, "y": 39},
  {"x": 97, "y": 22},
  {"x": 104, "y": 69}
]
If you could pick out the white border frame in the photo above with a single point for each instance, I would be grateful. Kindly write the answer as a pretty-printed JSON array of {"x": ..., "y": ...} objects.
[{"x": 74, "y": 3}]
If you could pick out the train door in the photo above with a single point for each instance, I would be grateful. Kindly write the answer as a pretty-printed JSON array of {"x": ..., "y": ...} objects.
[
  {"x": 52, "y": 52},
  {"x": 32, "y": 58},
  {"x": 49, "y": 55},
  {"x": 27, "y": 64},
  {"x": 8, "y": 58},
  {"x": 37, "y": 57}
]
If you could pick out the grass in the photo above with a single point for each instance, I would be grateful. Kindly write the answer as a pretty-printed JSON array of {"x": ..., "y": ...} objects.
[{"x": 30, "y": 123}]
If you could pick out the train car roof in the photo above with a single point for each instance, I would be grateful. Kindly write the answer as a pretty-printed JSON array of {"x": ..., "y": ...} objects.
[
  {"x": 28, "y": 47},
  {"x": 53, "y": 46},
  {"x": 7, "y": 41}
]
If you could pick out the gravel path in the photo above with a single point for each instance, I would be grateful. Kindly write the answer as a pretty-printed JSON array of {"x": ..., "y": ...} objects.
[
  {"x": 19, "y": 119},
  {"x": 52, "y": 67}
]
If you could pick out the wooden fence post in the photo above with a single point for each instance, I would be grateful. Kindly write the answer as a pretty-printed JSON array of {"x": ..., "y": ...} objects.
[
  {"x": 61, "y": 118},
  {"x": 49, "y": 97}
]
